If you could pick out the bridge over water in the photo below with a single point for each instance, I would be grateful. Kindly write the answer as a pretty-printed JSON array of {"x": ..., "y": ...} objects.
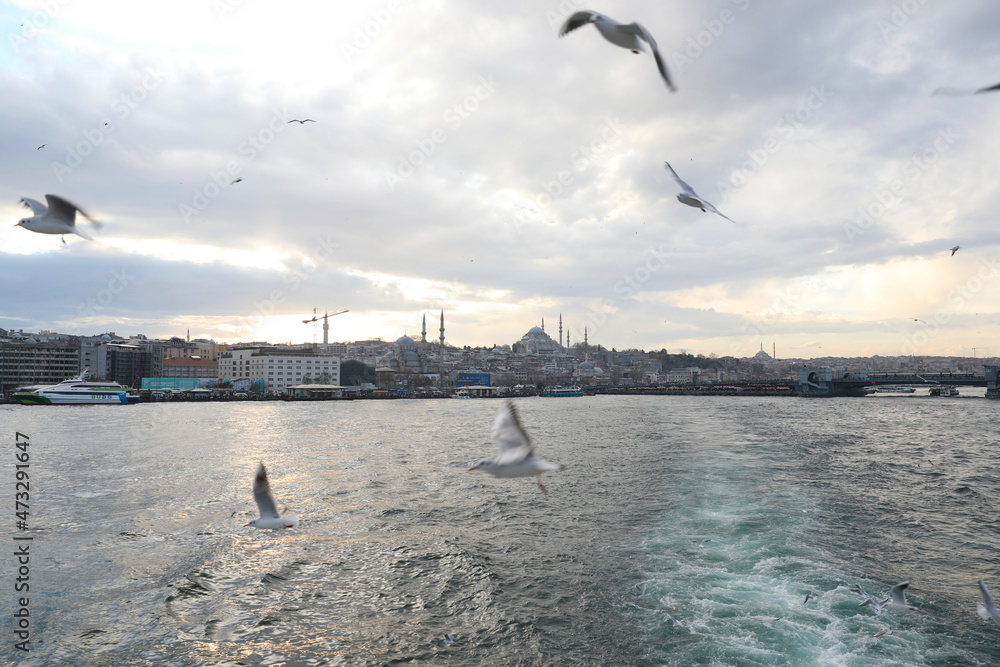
[
  {"x": 829, "y": 382},
  {"x": 819, "y": 382}
]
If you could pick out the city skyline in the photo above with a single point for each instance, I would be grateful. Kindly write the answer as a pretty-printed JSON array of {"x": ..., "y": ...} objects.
[{"x": 503, "y": 175}]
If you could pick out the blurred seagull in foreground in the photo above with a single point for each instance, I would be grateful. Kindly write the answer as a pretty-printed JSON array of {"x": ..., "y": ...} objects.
[
  {"x": 300, "y": 122},
  {"x": 59, "y": 217},
  {"x": 269, "y": 516},
  {"x": 517, "y": 454},
  {"x": 811, "y": 595},
  {"x": 883, "y": 632},
  {"x": 628, "y": 36},
  {"x": 986, "y": 609},
  {"x": 954, "y": 250},
  {"x": 690, "y": 197}
]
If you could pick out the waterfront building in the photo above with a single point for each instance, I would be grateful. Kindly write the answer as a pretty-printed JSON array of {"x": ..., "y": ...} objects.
[
  {"x": 234, "y": 362},
  {"x": 282, "y": 368},
  {"x": 26, "y": 361},
  {"x": 126, "y": 363},
  {"x": 190, "y": 367}
]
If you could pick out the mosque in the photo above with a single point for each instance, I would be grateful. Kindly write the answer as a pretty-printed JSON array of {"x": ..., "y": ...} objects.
[
  {"x": 408, "y": 356},
  {"x": 536, "y": 341}
]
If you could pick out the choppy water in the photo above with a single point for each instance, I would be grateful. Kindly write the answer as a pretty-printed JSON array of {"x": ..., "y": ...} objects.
[{"x": 138, "y": 557}]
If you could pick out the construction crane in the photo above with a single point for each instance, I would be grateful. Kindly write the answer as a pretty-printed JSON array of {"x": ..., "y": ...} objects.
[{"x": 326, "y": 323}]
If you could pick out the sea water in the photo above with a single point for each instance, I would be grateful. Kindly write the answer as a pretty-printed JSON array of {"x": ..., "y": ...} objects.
[{"x": 716, "y": 511}]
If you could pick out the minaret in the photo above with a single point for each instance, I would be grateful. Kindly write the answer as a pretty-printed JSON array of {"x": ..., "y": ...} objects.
[
  {"x": 585, "y": 338},
  {"x": 567, "y": 338},
  {"x": 423, "y": 333},
  {"x": 189, "y": 334},
  {"x": 441, "y": 363},
  {"x": 560, "y": 329},
  {"x": 543, "y": 324}
]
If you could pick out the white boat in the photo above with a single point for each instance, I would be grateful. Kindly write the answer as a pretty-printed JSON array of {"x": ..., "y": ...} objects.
[
  {"x": 894, "y": 389},
  {"x": 944, "y": 391},
  {"x": 563, "y": 391},
  {"x": 78, "y": 391}
]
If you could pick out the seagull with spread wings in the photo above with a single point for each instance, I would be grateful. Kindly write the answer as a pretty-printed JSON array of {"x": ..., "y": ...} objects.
[
  {"x": 690, "y": 197},
  {"x": 269, "y": 515},
  {"x": 59, "y": 217},
  {"x": 517, "y": 454},
  {"x": 630, "y": 36},
  {"x": 986, "y": 609}
]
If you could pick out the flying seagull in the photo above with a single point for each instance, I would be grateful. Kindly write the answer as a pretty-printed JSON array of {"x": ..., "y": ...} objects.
[
  {"x": 237, "y": 180},
  {"x": 41, "y": 147},
  {"x": 767, "y": 620},
  {"x": 269, "y": 516},
  {"x": 628, "y": 36},
  {"x": 690, "y": 197},
  {"x": 898, "y": 600},
  {"x": 883, "y": 632},
  {"x": 986, "y": 609},
  {"x": 811, "y": 595},
  {"x": 300, "y": 122},
  {"x": 517, "y": 454},
  {"x": 954, "y": 250},
  {"x": 59, "y": 217}
]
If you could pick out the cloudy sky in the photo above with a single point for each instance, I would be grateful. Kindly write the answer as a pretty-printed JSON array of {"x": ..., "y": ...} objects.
[{"x": 465, "y": 158}]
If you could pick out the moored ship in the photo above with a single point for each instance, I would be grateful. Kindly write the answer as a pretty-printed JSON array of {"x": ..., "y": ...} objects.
[
  {"x": 78, "y": 391},
  {"x": 563, "y": 391}
]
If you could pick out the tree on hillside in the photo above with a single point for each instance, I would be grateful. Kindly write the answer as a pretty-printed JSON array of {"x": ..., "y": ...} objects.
[{"x": 354, "y": 373}]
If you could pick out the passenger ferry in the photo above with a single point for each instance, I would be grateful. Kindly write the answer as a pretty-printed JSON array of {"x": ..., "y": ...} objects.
[
  {"x": 78, "y": 391},
  {"x": 894, "y": 389},
  {"x": 563, "y": 391}
]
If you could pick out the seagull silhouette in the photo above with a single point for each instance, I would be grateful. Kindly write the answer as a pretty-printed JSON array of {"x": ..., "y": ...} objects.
[{"x": 301, "y": 122}]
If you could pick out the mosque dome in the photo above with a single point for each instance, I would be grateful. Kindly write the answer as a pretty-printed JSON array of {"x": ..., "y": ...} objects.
[
  {"x": 404, "y": 341},
  {"x": 536, "y": 330}
]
